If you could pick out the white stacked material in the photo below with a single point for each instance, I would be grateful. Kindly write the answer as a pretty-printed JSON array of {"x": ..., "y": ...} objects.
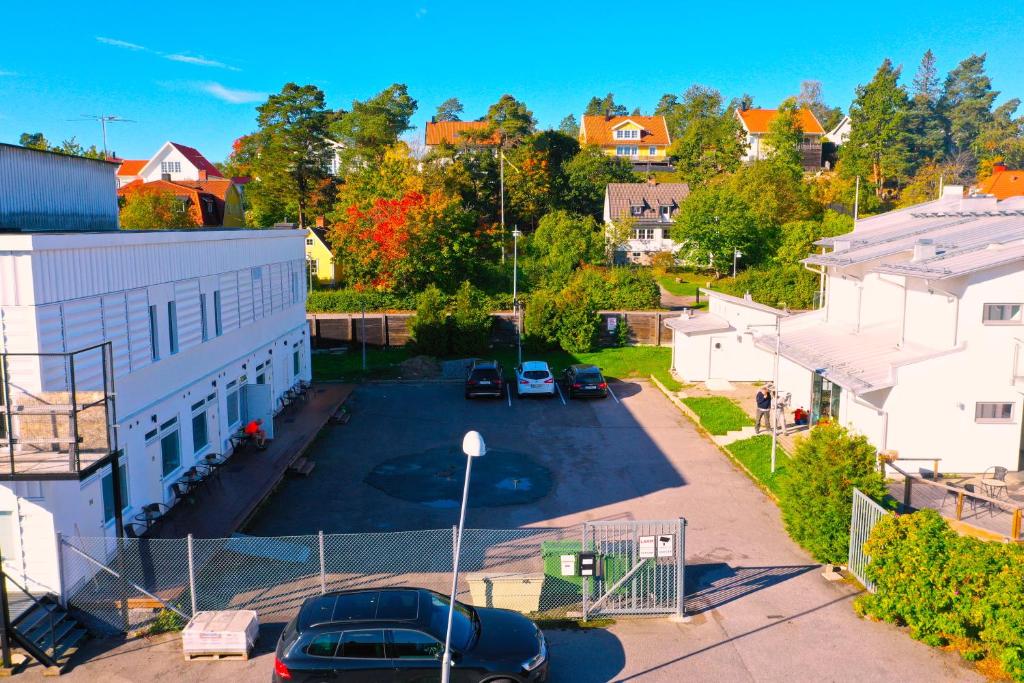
[{"x": 226, "y": 632}]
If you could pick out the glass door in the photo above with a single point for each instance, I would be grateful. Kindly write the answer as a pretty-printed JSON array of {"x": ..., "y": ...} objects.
[{"x": 824, "y": 399}]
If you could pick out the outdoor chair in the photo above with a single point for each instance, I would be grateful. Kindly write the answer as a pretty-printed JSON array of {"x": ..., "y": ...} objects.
[
  {"x": 953, "y": 492},
  {"x": 183, "y": 491},
  {"x": 995, "y": 472},
  {"x": 131, "y": 530}
]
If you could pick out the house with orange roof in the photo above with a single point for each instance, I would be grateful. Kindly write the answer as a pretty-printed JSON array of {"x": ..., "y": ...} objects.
[
  {"x": 644, "y": 140},
  {"x": 756, "y": 123},
  {"x": 1003, "y": 183},
  {"x": 460, "y": 133}
]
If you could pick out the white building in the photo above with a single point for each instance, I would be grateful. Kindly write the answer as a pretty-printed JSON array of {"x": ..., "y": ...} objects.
[
  {"x": 919, "y": 345},
  {"x": 840, "y": 133},
  {"x": 161, "y": 344},
  {"x": 652, "y": 208},
  {"x": 756, "y": 124},
  {"x": 173, "y": 161}
]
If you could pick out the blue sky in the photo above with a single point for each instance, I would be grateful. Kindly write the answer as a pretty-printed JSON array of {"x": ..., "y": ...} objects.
[{"x": 193, "y": 74}]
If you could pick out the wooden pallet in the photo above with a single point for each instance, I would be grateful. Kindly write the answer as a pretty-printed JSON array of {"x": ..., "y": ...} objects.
[{"x": 216, "y": 656}]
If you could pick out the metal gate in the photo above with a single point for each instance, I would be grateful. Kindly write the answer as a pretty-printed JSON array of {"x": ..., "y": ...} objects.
[
  {"x": 639, "y": 567},
  {"x": 866, "y": 514}
]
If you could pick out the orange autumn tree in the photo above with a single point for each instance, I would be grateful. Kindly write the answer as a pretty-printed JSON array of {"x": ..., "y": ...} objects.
[{"x": 406, "y": 243}]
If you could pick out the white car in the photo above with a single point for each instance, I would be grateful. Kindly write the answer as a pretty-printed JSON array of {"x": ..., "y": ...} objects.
[{"x": 534, "y": 377}]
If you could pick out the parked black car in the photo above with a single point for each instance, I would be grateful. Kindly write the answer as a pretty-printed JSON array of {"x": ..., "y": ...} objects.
[
  {"x": 395, "y": 635},
  {"x": 485, "y": 378},
  {"x": 585, "y": 380}
]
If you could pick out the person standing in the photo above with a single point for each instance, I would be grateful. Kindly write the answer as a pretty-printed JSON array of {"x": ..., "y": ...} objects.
[{"x": 763, "y": 399}]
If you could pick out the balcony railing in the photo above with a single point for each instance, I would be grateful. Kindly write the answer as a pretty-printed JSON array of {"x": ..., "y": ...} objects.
[{"x": 56, "y": 413}]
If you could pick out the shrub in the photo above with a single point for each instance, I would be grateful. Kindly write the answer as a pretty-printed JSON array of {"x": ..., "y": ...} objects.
[
  {"x": 622, "y": 332},
  {"x": 352, "y": 301},
  {"x": 777, "y": 285},
  {"x": 817, "y": 496},
  {"x": 948, "y": 588},
  {"x": 470, "y": 321},
  {"x": 662, "y": 262},
  {"x": 579, "y": 323},
  {"x": 632, "y": 289},
  {"x": 541, "y": 321},
  {"x": 429, "y": 327},
  {"x": 165, "y": 622}
]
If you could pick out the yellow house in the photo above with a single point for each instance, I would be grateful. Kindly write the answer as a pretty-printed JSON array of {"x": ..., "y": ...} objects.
[
  {"x": 641, "y": 139},
  {"x": 319, "y": 257}
]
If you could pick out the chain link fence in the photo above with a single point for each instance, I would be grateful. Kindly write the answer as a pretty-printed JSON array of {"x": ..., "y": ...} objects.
[{"x": 123, "y": 585}]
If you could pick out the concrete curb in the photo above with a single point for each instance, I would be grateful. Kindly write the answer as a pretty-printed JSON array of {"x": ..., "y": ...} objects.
[{"x": 693, "y": 417}]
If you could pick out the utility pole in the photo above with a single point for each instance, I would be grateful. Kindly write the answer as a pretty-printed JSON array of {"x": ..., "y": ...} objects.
[
  {"x": 501, "y": 175},
  {"x": 856, "y": 201},
  {"x": 104, "y": 119},
  {"x": 515, "y": 299}
]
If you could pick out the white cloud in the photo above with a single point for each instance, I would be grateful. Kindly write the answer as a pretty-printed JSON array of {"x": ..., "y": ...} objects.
[
  {"x": 122, "y": 43},
  {"x": 231, "y": 95},
  {"x": 201, "y": 61}
]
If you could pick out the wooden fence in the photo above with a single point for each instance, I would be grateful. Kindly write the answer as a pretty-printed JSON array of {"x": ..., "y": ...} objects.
[{"x": 328, "y": 330}]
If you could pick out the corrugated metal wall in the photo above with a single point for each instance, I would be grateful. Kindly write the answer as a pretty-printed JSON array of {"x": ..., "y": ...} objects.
[{"x": 40, "y": 191}]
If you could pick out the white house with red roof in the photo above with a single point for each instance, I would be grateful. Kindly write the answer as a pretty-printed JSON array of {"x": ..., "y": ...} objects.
[
  {"x": 173, "y": 161},
  {"x": 756, "y": 123}
]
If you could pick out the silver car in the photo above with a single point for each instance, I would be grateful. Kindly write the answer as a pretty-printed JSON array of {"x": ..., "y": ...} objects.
[{"x": 534, "y": 377}]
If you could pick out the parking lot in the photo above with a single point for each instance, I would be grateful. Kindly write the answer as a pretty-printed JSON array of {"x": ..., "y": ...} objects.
[{"x": 760, "y": 609}]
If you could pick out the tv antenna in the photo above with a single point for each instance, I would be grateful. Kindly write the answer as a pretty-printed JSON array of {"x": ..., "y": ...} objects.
[{"x": 104, "y": 119}]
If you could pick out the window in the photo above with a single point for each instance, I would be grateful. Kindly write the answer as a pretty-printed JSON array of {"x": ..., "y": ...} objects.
[
  {"x": 154, "y": 340},
  {"x": 170, "y": 167},
  {"x": 993, "y": 412},
  {"x": 312, "y": 266},
  {"x": 643, "y": 233},
  {"x": 107, "y": 484},
  {"x": 665, "y": 212},
  {"x": 622, "y": 134},
  {"x": 296, "y": 362},
  {"x": 413, "y": 645},
  {"x": 1002, "y": 314},
  {"x": 368, "y": 644},
  {"x": 172, "y": 325},
  {"x": 626, "y": 150},
  {"x": 309, "y": 241},
  {"x": 200, "y": 435},
  {"x": 202, "y": 316},
  {"x": 324, "y": 645},
  {"x": 636, "y": 210},
  {"x": 218, "y": 325},
  {"x": 170, "y": 452},
  {"x": 652, "y": 151},
  {"x": 30, "y": 490},
  {"x": 234, "y": 415}
]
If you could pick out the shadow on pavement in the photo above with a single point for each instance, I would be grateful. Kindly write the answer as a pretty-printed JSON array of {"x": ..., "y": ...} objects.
[
  {"x": 711, "y": 585},
  {"x": 584, "y": 655}
]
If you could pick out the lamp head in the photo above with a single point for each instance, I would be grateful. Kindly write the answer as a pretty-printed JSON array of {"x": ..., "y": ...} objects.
[{"x": 473, "y": 444}]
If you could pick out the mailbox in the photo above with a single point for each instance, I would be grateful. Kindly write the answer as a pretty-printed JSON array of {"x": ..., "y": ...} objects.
[{"x": 589, "y": 566}]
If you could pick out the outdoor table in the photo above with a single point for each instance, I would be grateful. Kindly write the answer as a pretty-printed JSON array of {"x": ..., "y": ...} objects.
[
  {"x": 192, "y": 477},
  {"x": 994, "y": 487},
  {"x": 149, "y": 516},
  {"x": 213, "y": 460}
]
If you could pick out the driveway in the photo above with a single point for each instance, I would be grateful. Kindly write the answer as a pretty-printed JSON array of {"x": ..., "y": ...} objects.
[{"x": 761, "y": 610}]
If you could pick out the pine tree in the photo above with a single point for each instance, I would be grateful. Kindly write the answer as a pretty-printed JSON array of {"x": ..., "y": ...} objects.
[
  {"x": 925, "y": 126},
  {"x": 966, "y": 101},
  {"x": 449, "y": 110},
  {"x": 878, "y": 148}
]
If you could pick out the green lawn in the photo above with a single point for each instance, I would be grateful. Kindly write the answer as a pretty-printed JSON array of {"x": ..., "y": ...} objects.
[
  {"x": 755, "y": 454},
  {"x": 718, "y": 414},
  {"x": 619, "y": 363}
]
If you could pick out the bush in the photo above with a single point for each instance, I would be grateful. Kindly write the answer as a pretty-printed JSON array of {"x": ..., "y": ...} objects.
[
  {"x": 948, "y": 588},
  {"x": 779, "y": 285},
  {"x": 579, "y": 323},
  {"x": 470, "y": 321},
  {"x": 429, "y": 327},
  {"x": 817, "y": 496},
  {"x": 165, "y": 622},
  {"x": 352, "y": 301},
  {"x": 541, "y": 321},
  {"x": 622, "y": 332},
  {"x": 632, "y": 289},
  {"x": 662, "y": 263}
]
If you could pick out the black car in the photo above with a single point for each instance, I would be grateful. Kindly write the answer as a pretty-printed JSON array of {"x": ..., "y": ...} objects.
[
  {"x": 396, "y": 635},
  {"x": 585, "y": 380},
  {"x": 485, "y": 378}
]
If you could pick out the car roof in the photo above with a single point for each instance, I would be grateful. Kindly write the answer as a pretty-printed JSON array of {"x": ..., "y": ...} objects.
[
  {"x": 579, "y": 367},
  {"x": 535, "y": 365},
  {"x": 362, "y": 606},
  {"x": 485, "y": 364}
]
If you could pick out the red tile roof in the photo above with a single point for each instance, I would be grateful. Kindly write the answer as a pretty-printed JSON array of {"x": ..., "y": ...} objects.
[
  {"x": 599, "y": 130},
  {"x": 1003, "y": 184},
  {"x": 131, "y": 166},
  {"x": 197, "y": 159},
  {"x": 758, "y": 120},
  {"x": 191, "y": 190},
  {"x": 451, "y": 132}
]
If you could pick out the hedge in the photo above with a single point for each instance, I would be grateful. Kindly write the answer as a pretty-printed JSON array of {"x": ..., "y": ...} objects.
[
  {"x": 948, "y": 589},
  {"x": 351, "y": 301}
]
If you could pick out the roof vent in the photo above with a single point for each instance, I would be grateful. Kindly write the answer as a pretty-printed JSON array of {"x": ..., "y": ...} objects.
[{"x": 924, "y": 249}]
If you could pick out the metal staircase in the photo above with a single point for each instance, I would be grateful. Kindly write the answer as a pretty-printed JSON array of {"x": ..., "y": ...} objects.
[{"x": 48, "y": 633}]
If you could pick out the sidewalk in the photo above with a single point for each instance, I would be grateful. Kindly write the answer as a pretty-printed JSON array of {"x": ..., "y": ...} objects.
[{"x": 225, "y": 502}]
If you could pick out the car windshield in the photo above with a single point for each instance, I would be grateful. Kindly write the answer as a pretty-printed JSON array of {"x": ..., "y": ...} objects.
[
  {"x": 535, "y": 374},
  {"x": 464, "y": 621},
  {"x": 485, "y": 373},
  {"x": 589, "y": 378}
]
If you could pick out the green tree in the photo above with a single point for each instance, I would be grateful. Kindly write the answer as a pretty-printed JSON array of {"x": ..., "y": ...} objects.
[
  {"x": 449, "y": 110},
  {"x": 374, "y": 125},
  {"x": 541, "y": 320},
  {"x": 775, "y": 191},
  {"x": 1001, "y": 139},
  {"x": 926, "y": 128},
  {"x": 706, "y": 138},
  {"x": 605, "y": 106},
  {"x": 74, "y": 148},
  {"x": 588, "y": 174},
  {"x": 798, "y": 237},
  {"x": 510, "y": 117},
  {"x": 535, "y": 178},
  {"x": 966, "y": 101},
  {"x": 878, "y": 147},
  {"x": 569, "y": 126},
  {"x": 711, "y": 224},
  {"x": 785, "y": 133},
  {"x": 816, "y": 495},
  {"x": 470, "y": 321},
  {"x": 562, "y": 243},
  {"x": 429, "y": 327},
  {"x": 288, "y": 156},
  {"x": 34, "y": 141},
  {"x": 155, "y": 210},
  {"x": 810, "y": 97},
  {"x": 579, "y": 322}
]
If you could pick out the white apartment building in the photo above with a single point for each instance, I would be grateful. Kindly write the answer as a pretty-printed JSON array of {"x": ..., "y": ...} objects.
[
  {"x": 919, "y": 344},
  {"x": 154, "y": 346}
]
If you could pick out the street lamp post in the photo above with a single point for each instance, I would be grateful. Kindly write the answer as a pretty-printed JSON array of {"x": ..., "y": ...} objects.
[
  {"x": 736, "y": 255},
  {"x": 473, "y": 446},
  {"x": 516, "y": 234}
]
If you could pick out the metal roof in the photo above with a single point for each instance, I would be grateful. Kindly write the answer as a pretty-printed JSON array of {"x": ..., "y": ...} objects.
[{"x": 698, "y": 323}]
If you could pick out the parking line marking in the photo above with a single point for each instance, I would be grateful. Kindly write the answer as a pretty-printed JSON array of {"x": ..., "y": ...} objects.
[
  {"x": 508, "y": 392},
  {"x": 559, "y": 390},
  {"x": 613, "y": 394}
]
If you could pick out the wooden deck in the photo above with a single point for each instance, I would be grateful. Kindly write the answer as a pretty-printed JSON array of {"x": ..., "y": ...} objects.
[{"x": 224, "y": 503}]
